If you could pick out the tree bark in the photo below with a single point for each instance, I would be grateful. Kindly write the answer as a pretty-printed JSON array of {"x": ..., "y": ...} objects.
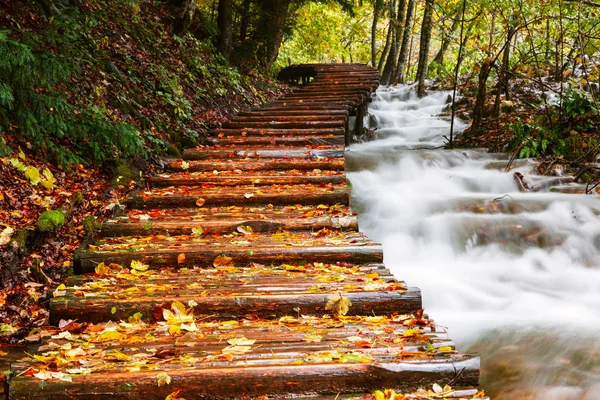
[
  {"x": 186, "y": 15},
  {"x": 386, "y": 48},
  {"x": 439, "y": 57},
  {"x": 399, "y": 76},
  {"x": 424, "y": 47},
  {"x": 392, "y": 61},
  {"x": 224, "y": 23},
  {"x": 269, "y": 31},
  {"x": 376, "y": 10},
  {"x": 479, "y": 107},
  {"x": 503, "y": 76}
]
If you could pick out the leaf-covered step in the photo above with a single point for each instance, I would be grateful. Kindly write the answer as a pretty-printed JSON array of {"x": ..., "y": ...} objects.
[
  {"x": 203, "y": 220},
  {"x": 292, "y": 140},
  {"x": 227, "y": 178},
  {"x": 191, "y": 196},
  {"x": 253, "y": 131},
  {"x": 266, "y": 164},
  {"x": 250, "y": 356},
  {"x": 339, "y": 124},
  {"x": 160, "y": 251},
  {"x": 258, "y": 151}
]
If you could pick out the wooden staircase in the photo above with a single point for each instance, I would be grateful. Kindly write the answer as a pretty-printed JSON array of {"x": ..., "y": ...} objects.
[{"x": 240, "y": 273}]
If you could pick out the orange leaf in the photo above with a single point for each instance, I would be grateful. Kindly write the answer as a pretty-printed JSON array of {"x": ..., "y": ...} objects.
[
  {"x": 200, "y": 202},
  {"x": 180, "y": 258}
]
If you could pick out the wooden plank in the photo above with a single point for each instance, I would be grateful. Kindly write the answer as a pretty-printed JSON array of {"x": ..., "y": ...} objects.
[
  {"x": 227, "y": 152},
  {"x": 333, "y": 164}
]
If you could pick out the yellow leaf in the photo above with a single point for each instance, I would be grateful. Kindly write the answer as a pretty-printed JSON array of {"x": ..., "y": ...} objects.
[
  {"x": 200, "y": 202},
  {"x": 338, "y": 305},
  {"x": 241, "y": 341},
  {"x": 246, "y": 230},
  {"x": 163, "y": 379},
  {"x": 138, "y": 266},
  {"x": 173, "y": 396},
  {"x": 117, "y": 356},
  {"x": 223, "y": 261}
]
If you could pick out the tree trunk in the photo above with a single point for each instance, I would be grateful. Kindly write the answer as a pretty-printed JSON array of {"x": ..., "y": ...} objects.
[
  {"x": 391, "y": 64},
  {"x": 402, "y": 56},
  {"x": 479, "y": 107},
  {"x": 224, "y": 23},
  {"x": 503, "y": 76},
  {"x": 269, "y": 32},
  {"x": 424, "y": 47},
  {"x": 386, "y": 48},
  {"x": 186, "y": 15},
  {"x": 439, "y": 57},
  {"x": 245, "y": 21},
  {"x": 376, "y": 10}
]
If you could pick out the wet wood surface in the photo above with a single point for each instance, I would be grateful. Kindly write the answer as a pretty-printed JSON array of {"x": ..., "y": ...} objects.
[{"x": 240, "y": 272}]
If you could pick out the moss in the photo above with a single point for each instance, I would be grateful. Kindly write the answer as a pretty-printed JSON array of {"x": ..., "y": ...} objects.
[
  {"x": 91, "y": 224},
  {"x": 78, "y": 198},
  {"x": 123, "y": 173},
  {"x": 21, "y": 239},
  {"x": 173, "y": 151},
  {"x": 50, "y": 221}
]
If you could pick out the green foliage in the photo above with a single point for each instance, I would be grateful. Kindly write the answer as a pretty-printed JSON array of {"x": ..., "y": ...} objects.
[
  {"x": 50, "y": 221},
  {"x": 32, "y": 99},
  {"x": 577, "y": 103},
  {"x": 568, "y": 130}
]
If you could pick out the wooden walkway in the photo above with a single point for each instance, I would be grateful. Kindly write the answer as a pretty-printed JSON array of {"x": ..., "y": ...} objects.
[{"x": 241, "y": 273}]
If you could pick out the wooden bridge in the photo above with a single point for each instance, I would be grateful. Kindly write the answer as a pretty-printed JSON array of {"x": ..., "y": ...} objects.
[{"x": 241, "y": 273}]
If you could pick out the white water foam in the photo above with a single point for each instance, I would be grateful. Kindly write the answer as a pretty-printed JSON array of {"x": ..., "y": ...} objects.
[{"x": 537, "y": 268}]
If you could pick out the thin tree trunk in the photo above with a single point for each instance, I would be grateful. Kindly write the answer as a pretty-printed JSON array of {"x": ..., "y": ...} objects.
[
  {"x": 389, "y": 71},
  {"x": 439, "y": 57},
  {"x": 376, "y": 10},
  {"x": 503, "y": 77},
  {"x": 479, "y": 107},
  {"x": 186, "y": 15},
  {"x": 456, "y": 72},
  {"x": 386, "y": 48},
  {"x": 244, "y": 21},
  {"x": 224, "y": 22},
  {"x": 424, "y": 47},
  {"x": 406, "y": 35}
]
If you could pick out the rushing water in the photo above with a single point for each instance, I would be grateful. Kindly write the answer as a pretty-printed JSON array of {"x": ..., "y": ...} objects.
[{"x": 515, "y": 276}]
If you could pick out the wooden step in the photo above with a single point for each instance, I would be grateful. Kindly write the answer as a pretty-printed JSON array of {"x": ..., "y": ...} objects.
[
  {"x": 261, "y": 219},
  {"x": 228, "y": 292},
  {"x": 250, "y": 131},
  {"x": 201, "y": 250},
  {"x": 191, "y": 196},
  {"x": 285, "y": 124},
  {"x": 321, "y": 140},
  {"x": 241, "y": 358},
  {"x": 228, "y": 178},
  {"x": 266, "y": 164},
  {"x": 258, "y": 151}
]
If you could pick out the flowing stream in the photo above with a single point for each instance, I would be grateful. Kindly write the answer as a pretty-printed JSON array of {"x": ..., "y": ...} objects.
[{"x": 515, "y": 276}]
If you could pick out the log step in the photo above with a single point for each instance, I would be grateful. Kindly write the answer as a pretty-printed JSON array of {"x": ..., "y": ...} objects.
[
  {"x": 315, "y": 140},
  {"x": 253, "y": 131},
  {"x": 240, "y": 358},
  {"x": 245, "y": 152},
  {"x": 115, "y": 293},
  {"x": 227, "y": 178},
  {"x": 192, "y": 196},
  {"x": 265, "y": 164},
  {"x": 285, "y": 124},
  {"x": 261, "y": 219},
  {"x": 202, "y": 250}
]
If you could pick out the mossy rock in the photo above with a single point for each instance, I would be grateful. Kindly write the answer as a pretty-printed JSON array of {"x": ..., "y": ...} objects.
[
  {"x": 123, "y": 173},
  {"x": 91, "y": 224},
  {"x": 50, "y": 221}
]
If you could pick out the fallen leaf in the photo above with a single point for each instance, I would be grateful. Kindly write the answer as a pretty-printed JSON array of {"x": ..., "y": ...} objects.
[
  {"x": 200, "y": 202},
  {"x": 180, "y": 258},
  {"x": 339, "y": 305},
  {"x": 163, "y": 379}
]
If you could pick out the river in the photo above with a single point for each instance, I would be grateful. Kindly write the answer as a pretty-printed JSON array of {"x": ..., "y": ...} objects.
[{"x": 515, "y": 276}]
